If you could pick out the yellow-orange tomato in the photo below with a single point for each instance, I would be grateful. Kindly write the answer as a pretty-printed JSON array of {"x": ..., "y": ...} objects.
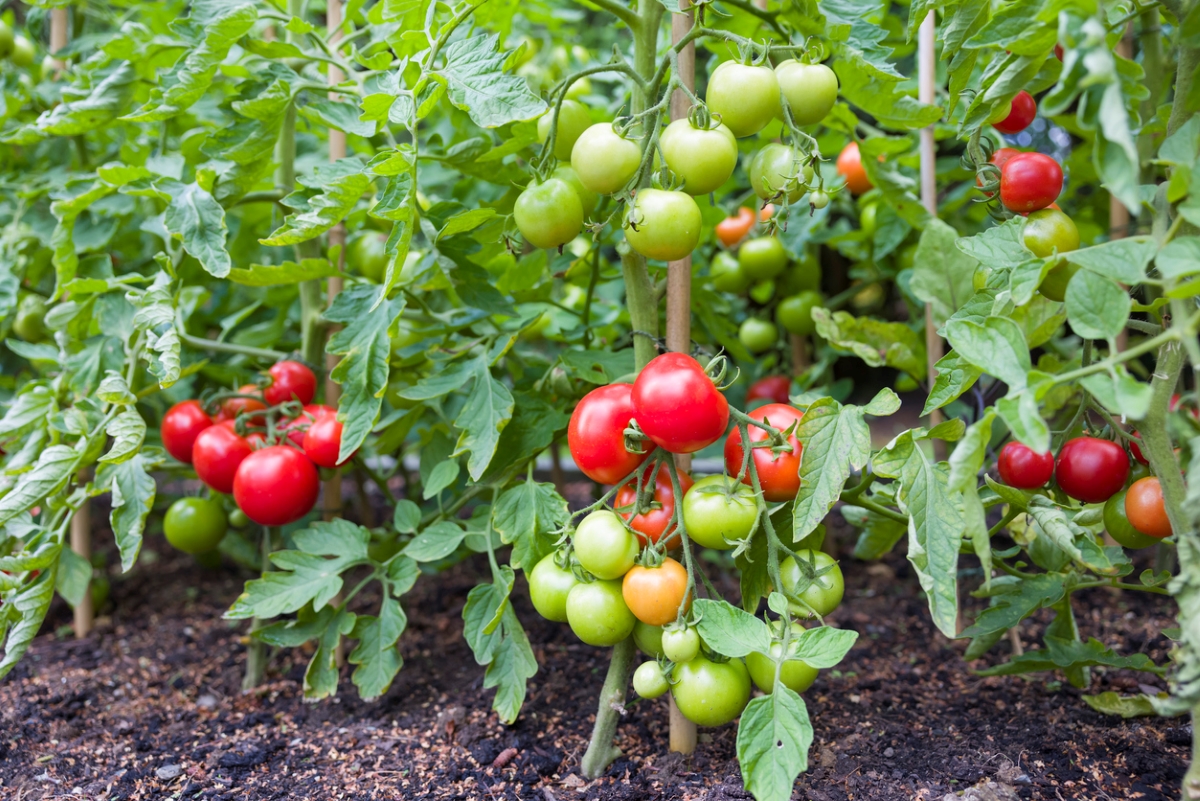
[
  {"x": 849, "y": 166},
  {"x": 1145, "y": 508},
  {"x": 766, "y": 212},
  {"x": 732, "y": 230},
  {"x": 654, "y": 594}
]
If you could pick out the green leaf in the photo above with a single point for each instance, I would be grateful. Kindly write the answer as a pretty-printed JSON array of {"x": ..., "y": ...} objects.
[
  {"x": 340, "y": 186},
  {"x": 1097, "y": 306},
  {"x": 194, "y": 216},
  {"x": 513, "y": 664},
  {"x": 113, "y": 389},
  {"x": 364, "y": 346},
  {"x": 954, "y": 377},
  {"x": 24, "y": 612},
  {"x": 1074, "y": 541},
  {"x": 1015, "y": 601},
  {"x": 321, "y": 677},
  {"x": 74, "y": 576},
  {"x": 1065, "y": 654},
  {"x": 436, "y": 542},
  {"x": 407, "y": 516},
  {"x": 1002, "y": 247},
  {"x": 935, "y": 524},
  {"x": 133, "y": 491},
  {"x": 54, "y": 466},
  {"x": 942, "y": 274},
  {"x": 305, "y": 576},
  {"x": 526, "y": 516},
  {"x": 1125, "y": 706},
  {"x": 1180, "y": 257},
  {"x": 1021, "y": 414},
  {"x": 729, "y": 630},
  {"x": 289, "y": 272},
  {"x": 1119, "y": 392},
  {"x": 30, "y": 408},
  {"x": 189, "y": 79},
  {"x": 339, "y": 114},
  {"x": 467, "y": 221},
  {"x": 773, "y": 738},
  {"x": 377, "y": 658},
  {"x": 95, "y": 111},
  {"x": 823, "y": 647},
  {"x": 996, "y": 347},
  {"x": 477, "y": 83},
  {"x": 876, "y": 342},
  {"x": 878, "y": 536},
  {"x": 968, "y": 457},
  {"x": 836, "y": 441},
  {"x": 487, "y": 411},
  {"x": 128, "y": 431},
  {"x": 66, "y": 210},
  {"x": 443, "y": 475},
  {"x": 883, "y": 100},
  {"x": 1122, "y": 260},
  {"x": 598, "y": 366}
]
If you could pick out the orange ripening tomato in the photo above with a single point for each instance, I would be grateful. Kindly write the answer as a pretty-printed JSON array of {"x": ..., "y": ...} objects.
[
  {"x": 766, "y": 212},
  {"x": 655, "y": 594},
  {"x": 849, "y": 166},
  {"x": 732, "y": 230},
  {"x": 1145, "y": 508}
]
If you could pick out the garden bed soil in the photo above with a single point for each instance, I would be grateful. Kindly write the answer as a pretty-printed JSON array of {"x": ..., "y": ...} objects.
[{"x": 149, "y": 706}]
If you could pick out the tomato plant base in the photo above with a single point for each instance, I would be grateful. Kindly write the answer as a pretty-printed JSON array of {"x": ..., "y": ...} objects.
[{"x": 909, "y": 718}]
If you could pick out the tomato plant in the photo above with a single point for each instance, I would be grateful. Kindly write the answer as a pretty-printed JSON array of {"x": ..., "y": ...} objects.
[{"x": 677, "y": 406}]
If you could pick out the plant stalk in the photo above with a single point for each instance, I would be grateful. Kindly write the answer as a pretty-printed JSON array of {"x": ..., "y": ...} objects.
[{"x": 256, "y": 650}]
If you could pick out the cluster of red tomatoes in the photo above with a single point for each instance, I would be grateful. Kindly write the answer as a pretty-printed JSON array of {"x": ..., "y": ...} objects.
[
  {"x": 1094, "y": 470},
  {"x": 616, "y": 578},
  {"x": 249, "y": 449},
  {"x": 701, "y": 152}
]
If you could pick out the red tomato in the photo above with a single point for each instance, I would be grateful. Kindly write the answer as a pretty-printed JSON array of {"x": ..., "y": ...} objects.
[
  {"x": 778, "y": 473},
  {"x": 1091, "y": 470},
  {"x": 677, "y": 405},
  {"x": 182, "y": 423},
  {"x": 290, "y": 381},
  {"x": 1177, "y": 402},
  {"x": 849, "y": 166},
  {"x": 232, "y": 407},
  {"x": 297, "y": 426},
  {"x": 1136, "y": 450},
  {"x": 1145, "y": 508},
  {"x": 1023, "y": 468},
  {"x": 1058, "y": 52},
  {"x": 1000, "y": 158},
  {"x": 649, "y": 526},
  {"x": 596, "y": 435},
  {"x": 1029, "y": 182},
  {"x": 217, "y": 453},
  {"x": 323, "y": 441},
  {"x": 257, "y": 440},
  {"x": 773, "y": 387},
  {"x": 1024, "y": 109},
  {"x": 276, "y": 486},
  {"x": 732, "y": 230}
]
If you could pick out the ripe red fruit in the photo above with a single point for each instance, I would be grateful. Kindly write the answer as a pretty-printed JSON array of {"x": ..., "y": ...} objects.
[
  {"x": 849, "y": 166},
  {"x": 323, "y": 442},
  {"x": 596, "y": 434},
  {"x": 650, "y": 526},
  {"x": 1136, "y": 449},
  {"x": 1029, "y": 182},
  {"x": 290, "y": 381},
  {"x": 217, "y": 454},
  {"x": 182, "y": 423},
  {"x": 1024, "y": 109},
  {"x": 232, "y": 407},
  {"x": 778, "y": 473},
  {"x": 773, "y": 387},
  {"x": 1091, "y": 470},
  {"x": 276, "y": 486},
  {"x": 677, "y": 405},
  {"x": 297, "y": 426},
  {"x": 1021, "y": 467}
]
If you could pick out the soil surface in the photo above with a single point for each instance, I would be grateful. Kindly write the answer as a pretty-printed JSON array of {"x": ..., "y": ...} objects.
[{"x": 149, "y": 706}]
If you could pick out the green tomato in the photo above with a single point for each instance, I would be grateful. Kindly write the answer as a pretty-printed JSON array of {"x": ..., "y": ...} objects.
[
  {"x": 604, "y": 160},
  {"x": 368, "y": 255},
  {"x": 823, "y": 594},
  {"x": 763, "y": 257},
  {"x": 238, "y": 519},
  {"x": 746, "y": 97},
  {"x": 587, "y": 198},
  {"x": 49, "y": 66},
  {"x": 1049, "y": 231},
  {"x": 681, "y": 644},
  {"x": 649, "y": 681},
  {"x": 1054, "y": 285},
  {"x": 549, "y": 214},
  {"x": 810, "y": 90},
  {"x": 648, "y": 639},
  {"x": 195, "y": 525},
  {"x": 23, "y": 53},
  {"x": 710, "y": 693},
  {"x": 795, "y": 313},
  {"x": 727, "y": 274},
  {"x": 773, "y": 170},
  {"x": 759, "y": 336},
  {"x": 1116, "y": 523},
  {"x": 573, "y": 120},
  {"x": 818, "y": 200},
  {"x": 604, "y": 546},
  {"x": 597, "y": 613},
  {"x": 1000, "y": 113},
  {"x": 704, "y": 159},
  {"x": 795, "y": 675},
  {"x": 580, "y": 88},
  {"x": 718, "y": 511},
  {"x": 803, "y": 276},
  {"x": 30, "y": 322},
  {"x": 866, "y": 219},
  {"x": 663, "y": 225},
  {"x": 763, "y": 291},
  {"x": 6, "y": 39},
  {"x": 549, "y": 586}
]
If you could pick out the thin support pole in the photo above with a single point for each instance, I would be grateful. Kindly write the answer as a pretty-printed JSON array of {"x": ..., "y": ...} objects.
[
  {"x": 679, "y": 317},
  {"x": 927, "y": 73}
]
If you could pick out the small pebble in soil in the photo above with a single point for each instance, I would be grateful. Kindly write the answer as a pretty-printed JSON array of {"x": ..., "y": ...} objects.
[
  {"x": 168, "y": 772},
  {"x": 889, "y": 752}
]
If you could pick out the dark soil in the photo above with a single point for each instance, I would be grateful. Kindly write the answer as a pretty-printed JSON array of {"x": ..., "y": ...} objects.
[{"x": 149, "y": 706}]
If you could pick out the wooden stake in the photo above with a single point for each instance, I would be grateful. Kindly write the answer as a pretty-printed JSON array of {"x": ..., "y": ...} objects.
[
  {"x": 927, "y": 72},
  {"x": 1118, "y": 215},
  {"x": 679, "y": 315}
]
